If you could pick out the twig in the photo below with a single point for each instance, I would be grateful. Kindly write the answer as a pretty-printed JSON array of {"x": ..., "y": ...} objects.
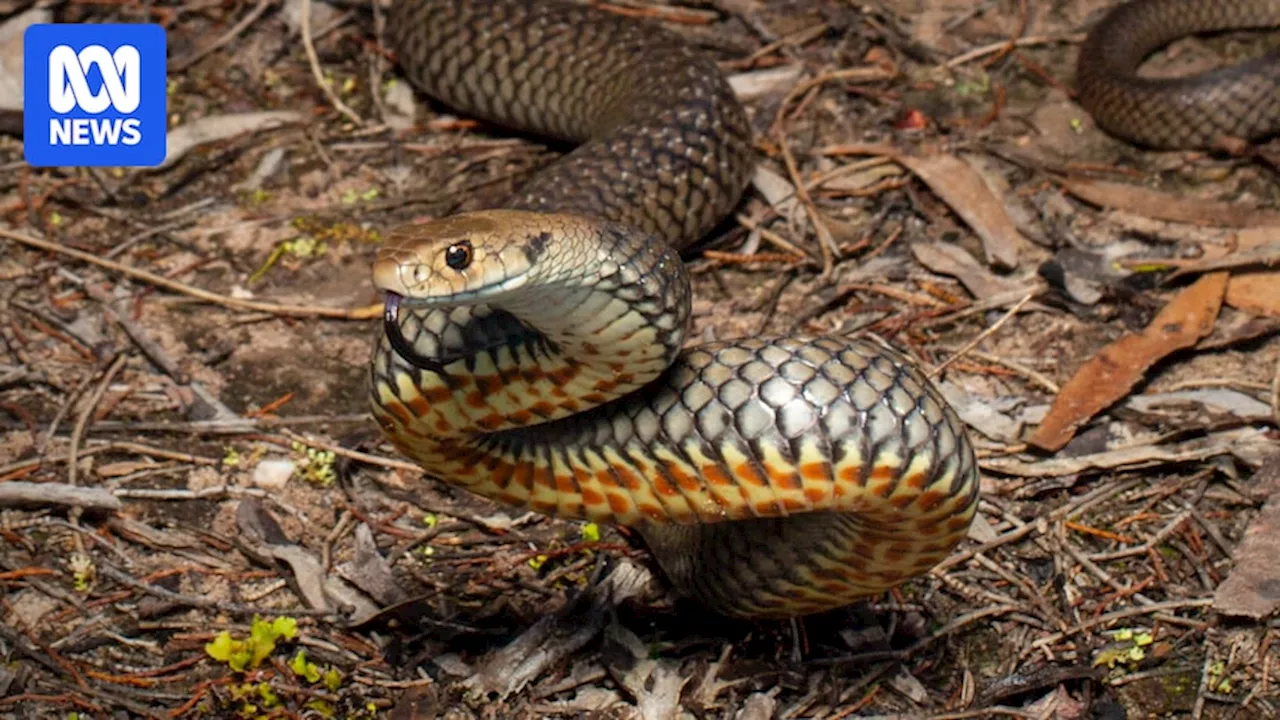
[
  {"x": 985, "y": 333},
  {"x": 755, "y": 226},
  {"x": 226, "y": 37},
  {"x": 314, "y": 60},
  {"x": 200, "y": 602},
  {"x": 149, "y": 347},
  {"x": 62, "y": 413},
  {"x": 1077, "y": 506},
  {"x": 1197, "y": 709},
  {"x": 1114, "y": 616},
  {"x": 77, "y": 433},
  {"x": 1275, "y": 394},
  {"x": 826, "y": 243},
  {"x": 1005, "y": 45},
  {"x": 352, "y": 454},
  {"x": 1031, "y": 374},
  {"x": 19, "y": 493},
  {"x": 231, "y": 426},
  {"x": 363, "y": 313}
]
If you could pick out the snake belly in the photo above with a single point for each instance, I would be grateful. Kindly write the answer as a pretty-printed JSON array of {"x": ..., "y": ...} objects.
[
  {"x": 1236, "y": 102},
  {"x": 535, "y": 353}
]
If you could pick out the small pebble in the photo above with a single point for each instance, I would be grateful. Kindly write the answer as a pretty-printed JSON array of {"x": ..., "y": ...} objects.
[{"x": 273, "y": 474}]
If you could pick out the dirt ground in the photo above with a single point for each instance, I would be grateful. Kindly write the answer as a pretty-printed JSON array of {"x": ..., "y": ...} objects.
[{"x": 188, "y": 391}]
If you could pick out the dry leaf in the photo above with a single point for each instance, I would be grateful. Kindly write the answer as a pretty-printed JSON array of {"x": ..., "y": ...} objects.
[
  {"x": 1114, "y": 371},
  {"x": 1253, "y": 587},
  {"x": 949, "y": 259},
  {"x": 212, "y": 128},
  {"x": 1167, "y": 206},
  {"x": 965, "y": 192},
  {"x": 1256, "y": 292}
]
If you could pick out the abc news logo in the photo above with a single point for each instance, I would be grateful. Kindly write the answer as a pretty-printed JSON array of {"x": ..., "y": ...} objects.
[
  {"x": 69, "y": 89},
  {"x": 94, "y": 95}
]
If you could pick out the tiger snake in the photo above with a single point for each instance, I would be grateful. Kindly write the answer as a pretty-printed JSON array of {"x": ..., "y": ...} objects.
[{"x": 535, "y": 353}]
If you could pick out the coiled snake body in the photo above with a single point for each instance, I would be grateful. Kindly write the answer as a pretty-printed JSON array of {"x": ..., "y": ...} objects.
[
  {"x": 535, "y": 354},
  {"x": 1240, "y": 102}
]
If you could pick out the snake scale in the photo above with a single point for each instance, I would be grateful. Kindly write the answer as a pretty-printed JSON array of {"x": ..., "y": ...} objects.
[
  {"x": 535, "y": 353},
  {"x": 1234, "y": 102}
]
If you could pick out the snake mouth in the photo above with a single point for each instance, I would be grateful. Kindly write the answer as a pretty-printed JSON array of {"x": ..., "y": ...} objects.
[{"x": 401, "y": 344}]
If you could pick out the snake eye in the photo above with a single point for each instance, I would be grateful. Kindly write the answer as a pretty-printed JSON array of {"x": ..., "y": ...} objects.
[{"x": 458, "y": 255}]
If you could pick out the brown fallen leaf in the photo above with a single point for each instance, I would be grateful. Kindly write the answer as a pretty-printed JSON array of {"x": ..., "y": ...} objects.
[
  {"x": 964, "y": 191},
  {"x": 1167, "y": 206},
  {"x": 949, "y": 259},
  {"x": 1253, "y": 587},
  {"x": 1256, "y": 292},
  {"x": 1114, "y": 371}
]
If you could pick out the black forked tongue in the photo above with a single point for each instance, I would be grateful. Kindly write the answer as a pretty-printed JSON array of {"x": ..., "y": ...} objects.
[{"x": 401, "y": 344}]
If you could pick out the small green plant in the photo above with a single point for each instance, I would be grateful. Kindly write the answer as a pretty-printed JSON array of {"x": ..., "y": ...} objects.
[
  {"x": 254, "y": 698},
  {"x": 1128, "y": 649},
  {"x": 248, "y": 654},
  {"x": 82, "y": 572},
  {"x": 351, "y": 197},
  {"x": 304, "y": 668},
  {"x": 303, "y": 247},
  {"x": 1218, "y": 679},
  {"x": 316, "y": 465}
]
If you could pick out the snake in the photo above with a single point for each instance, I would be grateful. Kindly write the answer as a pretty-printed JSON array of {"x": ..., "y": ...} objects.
[
  {"x": 534, "y": 352},
  {"x": 1236, "y": 102}
]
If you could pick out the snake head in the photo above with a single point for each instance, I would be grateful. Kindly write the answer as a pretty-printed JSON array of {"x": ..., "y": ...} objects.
[{"x": 461, "y": 260}]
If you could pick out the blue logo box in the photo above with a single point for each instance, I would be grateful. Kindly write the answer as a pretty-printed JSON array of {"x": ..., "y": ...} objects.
[{"x": 94, "y": 95}]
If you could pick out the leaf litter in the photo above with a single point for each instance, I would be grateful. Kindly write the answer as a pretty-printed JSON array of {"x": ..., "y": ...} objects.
[{"x": 1020, "y": 249}]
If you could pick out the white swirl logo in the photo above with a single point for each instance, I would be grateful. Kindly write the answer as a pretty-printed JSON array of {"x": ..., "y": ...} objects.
[{"x": 69, "y": 86}]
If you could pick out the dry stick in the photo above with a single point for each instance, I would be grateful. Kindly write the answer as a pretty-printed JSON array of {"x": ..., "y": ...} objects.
[
  {"x": 826, "y": 243},
  {"x": 1117, "y": 615},
  {"x": 1078, "y": 505},
  {"x": 149, "y": 347},
  {"x": 1154, "y": 541},
  {"x": 18, "y": 492},
  {"x": 1197, "y": 708},
  {"x": 1034, "y": 376},
  {"x": 232, "y": 426},
  {"x": 352, "y": 454},
  {"x": 317, "y": 73},
  {"x": 1004, "y": 45},
  {"x": 1103, "y": 575},
  {"x": 363, "y": 313},
  {"x": 77, "y": 433},
  {"x": 984, "y": 334},
  {"x": 111, "y": 447},
  {"x": 201, "y": 602},
  {"x": 83, "y": 421},
  {"x": 754, "y": 225},
  {"x": 995, "y": 301},
  {"x": 58, "y": 417},
  {"x": 227, "y": 37},
  {"x": 1275, "y": 393},
  {"x": 156, "y": 354}
]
